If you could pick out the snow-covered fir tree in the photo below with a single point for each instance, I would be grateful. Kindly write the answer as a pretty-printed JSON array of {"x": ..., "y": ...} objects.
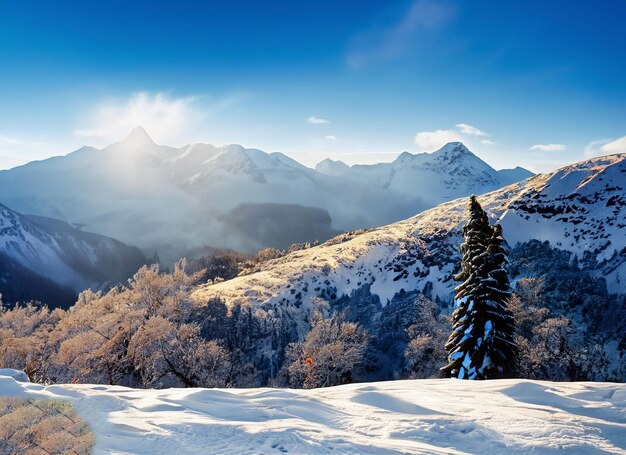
[{"x": 481, "y": 345}]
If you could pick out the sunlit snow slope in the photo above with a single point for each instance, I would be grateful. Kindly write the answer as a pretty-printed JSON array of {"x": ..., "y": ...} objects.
[
  {"x": 417, "y": 417},
  {"x": 580, "y": 209}
]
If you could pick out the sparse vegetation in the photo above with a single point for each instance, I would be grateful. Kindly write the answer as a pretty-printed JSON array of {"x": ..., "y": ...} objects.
[
  {"x": 42, "y": 427},
  {"x": 328, "y": 355}
]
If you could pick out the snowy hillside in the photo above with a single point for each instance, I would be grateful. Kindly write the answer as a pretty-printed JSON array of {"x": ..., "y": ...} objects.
[
  {"x": 580, "y": 208},
  {"x": 567, "y": 226},
  {"x": 171, "y": 200},
  {"x": 59, "y": 253},
  {"x": 418, "y": 417}
]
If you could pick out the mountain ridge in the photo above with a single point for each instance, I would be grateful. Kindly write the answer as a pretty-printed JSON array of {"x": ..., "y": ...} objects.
[
  {"x": 62, "y": 256},
  {"x": 171, "y": 200}
]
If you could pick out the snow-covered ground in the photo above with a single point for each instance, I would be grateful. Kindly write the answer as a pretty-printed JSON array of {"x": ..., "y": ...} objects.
[{"x": 419, "y": 416}]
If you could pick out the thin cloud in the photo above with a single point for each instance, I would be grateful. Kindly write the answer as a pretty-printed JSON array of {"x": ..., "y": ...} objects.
[
  {"x": 395, "y": 40},
  {"x": 470, "y": 130},
  {"x": 331, "y": 137},
  {"x": 163, "y": 116},
  {"x": 594, "y": 147},
  {"x": 616, "y": 146},
  {"x": 8, "y": 140},
  {"x": 463, "y": 132},
  {"x": 432, "y": 140},
  {"x": 549, "y": 147},
  {"x": 606, "y": 147},
  {"x": 317, "y": 120}
]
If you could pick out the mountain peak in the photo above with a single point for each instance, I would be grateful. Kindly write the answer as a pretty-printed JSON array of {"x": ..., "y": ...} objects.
[
  {"x": 455, "y": 153},
  {"x": 454, "y": 148},
  {"x": 138, "y": 136},
  {"x": 404, "y": 157},
  {"x": 332, "y": 167}
]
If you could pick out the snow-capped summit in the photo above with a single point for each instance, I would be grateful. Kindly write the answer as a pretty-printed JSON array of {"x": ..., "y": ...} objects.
[
  {"x": 138, "y": 137},
  {"x": 454, "y": 157},
  {"x": 452, "y": 150},
  {"x": 448, "y": 173},
  {"x": 332, "y": 167}
]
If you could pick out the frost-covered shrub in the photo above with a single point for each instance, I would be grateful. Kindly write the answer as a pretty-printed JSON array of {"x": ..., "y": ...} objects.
[
  {"x": 145, "y": 334},
  {"x": 560, "y": 343},
  {"x": 328, "y": 355},
  {"x": 425, "y": 353},
  {"x": 29, "y": 426},
  {"x": 220, "y": 264},
  {"x": 170, "y": 355}
]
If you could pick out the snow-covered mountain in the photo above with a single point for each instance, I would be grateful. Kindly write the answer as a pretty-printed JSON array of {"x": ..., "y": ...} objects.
[
  {"x": 579, "y": 209},
  {"x": 332, "y": 167},
  {"x": 419, "y": 417},
  {"x": 448, "y": 173},
  {"x": 566, "y": 228},
  {"x": 45, "y": 254},
  {"x": 170, "y": 200}
]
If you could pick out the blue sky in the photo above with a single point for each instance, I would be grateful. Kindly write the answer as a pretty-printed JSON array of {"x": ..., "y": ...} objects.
[{"x": 533, "y": 83}]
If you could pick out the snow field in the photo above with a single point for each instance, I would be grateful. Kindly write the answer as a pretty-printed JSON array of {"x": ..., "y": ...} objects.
[{"x": 416, "y": 417}]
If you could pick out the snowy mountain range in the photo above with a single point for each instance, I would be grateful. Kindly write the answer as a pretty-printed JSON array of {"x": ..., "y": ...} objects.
[
  {"x": 171, "y": 200},
  {"x": 448, "y": 173},
  {"x": 48, "y": 260}
]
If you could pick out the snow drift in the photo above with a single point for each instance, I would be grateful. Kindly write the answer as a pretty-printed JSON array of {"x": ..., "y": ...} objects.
[{"x": 418, "y": 417}]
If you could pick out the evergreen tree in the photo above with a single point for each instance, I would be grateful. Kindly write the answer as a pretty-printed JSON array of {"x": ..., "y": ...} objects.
[{"x": 481, "y": 343}]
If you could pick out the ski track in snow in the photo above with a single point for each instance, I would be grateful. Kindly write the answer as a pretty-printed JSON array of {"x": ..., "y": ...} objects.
[{"x": 416, "y": 416}]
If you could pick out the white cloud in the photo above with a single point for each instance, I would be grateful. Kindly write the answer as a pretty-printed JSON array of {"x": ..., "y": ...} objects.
[
  {"x": 432, "y": 140},
  {"x": 331, "y": 137},
  {"x": 549, "y": 147},
  {"x": 317, "y": 120},
  {"x": 392, "y": 41},
  {"x": 606, "y": 147},
  {"x": 616, "y": 146},
  {"x": 8, "y": 140},
  {"x": 470, "y": 130},
  {"x": 162, "y": 116},
  {"x": 594, "y": 147}
]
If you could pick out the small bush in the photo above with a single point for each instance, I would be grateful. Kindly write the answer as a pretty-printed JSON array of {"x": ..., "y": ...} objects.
[{"x": 29, "y": 426}]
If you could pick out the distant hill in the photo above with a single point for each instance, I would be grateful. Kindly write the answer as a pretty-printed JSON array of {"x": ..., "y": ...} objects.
[{"x": 50, "y": 261}]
